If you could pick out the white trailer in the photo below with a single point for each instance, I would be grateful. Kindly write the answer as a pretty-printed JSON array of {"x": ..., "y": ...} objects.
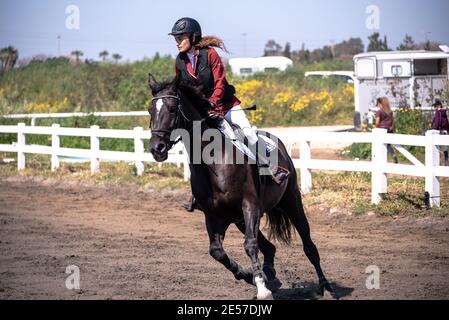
[
  {"x": 249, "y": 66},
  {"x": 414, "y": 78}
]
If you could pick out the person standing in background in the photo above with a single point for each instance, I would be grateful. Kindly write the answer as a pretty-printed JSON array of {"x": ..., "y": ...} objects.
[
  {"x": 441, "y": 124},
  {"x": 384, "y": 120}
]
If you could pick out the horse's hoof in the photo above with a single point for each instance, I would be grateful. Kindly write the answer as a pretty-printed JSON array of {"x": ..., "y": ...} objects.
[
  {"x": 262, "y": 292},
  {"x": 327, "y": 292},
  {"x": 274, "y": 285},
  {"x": 264, "y": 295},
  {"x": 327, "y": 295}
]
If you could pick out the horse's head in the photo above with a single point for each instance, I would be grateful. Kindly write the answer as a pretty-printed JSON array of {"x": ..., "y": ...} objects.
[
  {"x": 168, "y": 113},
  {"x": 165, "y": 116}
]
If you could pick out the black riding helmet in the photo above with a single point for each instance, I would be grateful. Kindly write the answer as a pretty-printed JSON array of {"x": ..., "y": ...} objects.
[{"x": 187, "y": 25}]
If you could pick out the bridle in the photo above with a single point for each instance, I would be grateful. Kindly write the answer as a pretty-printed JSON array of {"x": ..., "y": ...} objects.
[{"x": 165, "y": 133}]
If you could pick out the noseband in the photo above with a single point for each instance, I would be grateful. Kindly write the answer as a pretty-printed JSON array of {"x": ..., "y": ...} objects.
[{"x": 164, "y": 133}]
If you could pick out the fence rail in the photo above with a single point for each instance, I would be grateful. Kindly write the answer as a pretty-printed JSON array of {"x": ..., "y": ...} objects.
[
  {"x": 35, "y": 116},
  {"x": 95, "y": 154},
  {"x": 430, "y": 170}
]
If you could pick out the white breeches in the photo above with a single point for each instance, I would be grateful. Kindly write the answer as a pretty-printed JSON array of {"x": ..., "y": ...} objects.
[{"x": 237, "y": 116}]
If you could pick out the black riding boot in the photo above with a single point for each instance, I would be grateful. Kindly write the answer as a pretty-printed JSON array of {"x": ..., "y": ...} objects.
[
  {"x": 190, "y": 205},
  {"x": 446, "y": 158}
]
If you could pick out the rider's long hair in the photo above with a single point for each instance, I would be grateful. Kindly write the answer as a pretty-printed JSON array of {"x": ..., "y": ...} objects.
[
  {"x": 211, "y": 41},
  {"x": 385, "y": 103}
]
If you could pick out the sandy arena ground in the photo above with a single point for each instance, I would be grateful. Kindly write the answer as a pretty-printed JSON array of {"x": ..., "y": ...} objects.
[{"x": 133, "y": 243}]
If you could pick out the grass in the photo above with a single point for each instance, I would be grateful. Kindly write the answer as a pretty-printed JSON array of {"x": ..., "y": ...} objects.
[
  {"x": 341, "y": 192},
  {"x": 165, "y": 177},
  {"x": 351, "y": 192}
]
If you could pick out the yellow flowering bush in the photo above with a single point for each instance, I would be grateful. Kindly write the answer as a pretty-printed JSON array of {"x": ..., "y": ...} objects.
[
  {"x": 247, "y": 92},
  {"x": 279, "y": 103},
  {"x": 300, "y": 104},
  {"x": 282, "y": 98},
  {"x": 46, "y": 107},
  {"x": 348, "y": 91},
  {"x": 327, "y": 105}
]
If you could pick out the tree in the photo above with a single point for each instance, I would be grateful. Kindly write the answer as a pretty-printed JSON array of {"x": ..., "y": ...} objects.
[
  {"x": 287, "y": 50},
  {"x": 8, "y": 58},
  {"x": 376, "y": 44},
  {"x": 77, "y": 54},
  {"x": 272, "y": 49},
  {"x": 116, "y": 57},
  {"x": 407, "y": 44},
  {"x": 349, "y": 47},
  {"x": 103, "y": 55},
  {"x": 322, "y": 54},
  {"x": 386, "y": 44},
  {"x": 301, "y": 56}
]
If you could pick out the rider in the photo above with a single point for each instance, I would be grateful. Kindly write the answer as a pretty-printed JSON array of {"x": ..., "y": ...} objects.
[{"x": 199, "y": 64}]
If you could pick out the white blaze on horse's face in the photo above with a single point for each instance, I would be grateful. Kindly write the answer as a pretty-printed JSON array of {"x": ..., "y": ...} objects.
[{"x": 159, "y": 104}]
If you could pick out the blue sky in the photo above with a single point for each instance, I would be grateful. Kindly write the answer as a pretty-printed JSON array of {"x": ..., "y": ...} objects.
[{"x": 138, "y": 28}]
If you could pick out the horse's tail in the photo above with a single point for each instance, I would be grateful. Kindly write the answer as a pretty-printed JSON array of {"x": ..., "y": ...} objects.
[{"x": 279, "y": 225}]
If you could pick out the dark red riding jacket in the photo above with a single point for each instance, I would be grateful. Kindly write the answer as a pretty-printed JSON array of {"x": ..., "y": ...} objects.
[{"x": 209, "y": 72}]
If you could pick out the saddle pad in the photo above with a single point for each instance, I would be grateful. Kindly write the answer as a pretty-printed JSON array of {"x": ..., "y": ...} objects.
[{"x": 237, "y": 139}]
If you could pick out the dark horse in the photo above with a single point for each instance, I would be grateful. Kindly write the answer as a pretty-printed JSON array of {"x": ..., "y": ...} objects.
[{"x": 230, "y": 193}]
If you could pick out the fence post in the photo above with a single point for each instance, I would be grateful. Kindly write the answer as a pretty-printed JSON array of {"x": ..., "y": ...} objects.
[
  {"x": 55, "y": 144},
  {"x": 94, "y": 149},
  {"x": 139, "y": 149},
  {"x": 379, "y": 161},
  {"x": 432, "y": 184},
  {"x": 306, "y": 173},
  {"x": 20, "y": 146},
  {"x": 185, "y": 166}
]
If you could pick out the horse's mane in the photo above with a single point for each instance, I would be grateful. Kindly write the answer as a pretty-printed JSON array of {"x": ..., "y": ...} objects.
[
  {"x": 196, "y": 97},
  {"x": 193, "y": 93}
]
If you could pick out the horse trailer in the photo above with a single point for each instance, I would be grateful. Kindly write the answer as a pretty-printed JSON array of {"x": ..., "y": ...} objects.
[
  {"x": 412, "y": 78},
  {"x": 248, "y": 66}
]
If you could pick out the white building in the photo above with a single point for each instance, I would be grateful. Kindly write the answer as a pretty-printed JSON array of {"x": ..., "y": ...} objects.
[
  {"x": 248, "y": 66},
  {"x": 414, "y": 77}
]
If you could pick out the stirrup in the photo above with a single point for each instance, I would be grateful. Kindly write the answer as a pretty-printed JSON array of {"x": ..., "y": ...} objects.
[{"x": 279, "y": 175}]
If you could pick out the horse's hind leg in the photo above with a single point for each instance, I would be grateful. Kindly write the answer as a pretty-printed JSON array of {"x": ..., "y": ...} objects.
[
  {"x": 293, "y": 207},
  {"x": 269, "y": 251},
  {"x": 216, "y": 230}
]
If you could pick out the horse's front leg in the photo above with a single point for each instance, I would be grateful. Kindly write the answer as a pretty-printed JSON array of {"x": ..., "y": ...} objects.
[
  {"x": 251, "y": 214},
  {"x": 216, "y": 229},
  {"x": 269, "y": 251}
]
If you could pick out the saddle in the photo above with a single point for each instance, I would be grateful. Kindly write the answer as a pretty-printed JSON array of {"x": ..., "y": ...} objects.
[{"x": 235, "y": 134}]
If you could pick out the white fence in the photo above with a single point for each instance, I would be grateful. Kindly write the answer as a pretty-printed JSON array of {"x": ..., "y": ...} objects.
[
  {"x": 95, "y": 154},
  {"x": 35, "y": 116},
  {"x": 378, "y": 166}
]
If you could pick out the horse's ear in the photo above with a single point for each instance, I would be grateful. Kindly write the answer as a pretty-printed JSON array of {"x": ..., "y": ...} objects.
[{"x": 154, "y": 85}]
